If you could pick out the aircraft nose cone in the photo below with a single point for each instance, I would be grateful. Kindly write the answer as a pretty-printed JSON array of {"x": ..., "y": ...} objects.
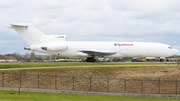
[{"x": 175, "y": 51}]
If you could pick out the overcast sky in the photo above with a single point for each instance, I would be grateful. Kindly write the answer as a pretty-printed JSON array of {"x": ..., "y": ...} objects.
[{"x": 92, "y": 20}]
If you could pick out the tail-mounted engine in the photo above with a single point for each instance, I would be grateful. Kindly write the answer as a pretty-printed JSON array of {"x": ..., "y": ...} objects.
[{"x": 49, "y": 47}]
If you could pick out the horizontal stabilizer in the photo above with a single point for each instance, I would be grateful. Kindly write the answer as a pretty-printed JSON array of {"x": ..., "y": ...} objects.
[
  {"x": 16, "y": 25},
  {"x": 20, "y": 25}
]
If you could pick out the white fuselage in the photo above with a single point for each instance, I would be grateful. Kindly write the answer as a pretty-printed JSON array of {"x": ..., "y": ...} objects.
[{"x": 122, "y": 49}]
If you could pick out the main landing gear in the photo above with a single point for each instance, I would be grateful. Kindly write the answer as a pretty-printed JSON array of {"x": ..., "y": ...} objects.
[{"x": 90, "y": 60}]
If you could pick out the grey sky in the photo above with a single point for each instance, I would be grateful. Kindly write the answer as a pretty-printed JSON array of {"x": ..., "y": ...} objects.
[{"x": 92, "y": 20}]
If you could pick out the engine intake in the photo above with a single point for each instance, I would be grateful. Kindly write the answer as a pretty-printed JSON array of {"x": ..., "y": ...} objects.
[
  {"x": 44, "y": 48},
  {"x": 27, "y": 47}
]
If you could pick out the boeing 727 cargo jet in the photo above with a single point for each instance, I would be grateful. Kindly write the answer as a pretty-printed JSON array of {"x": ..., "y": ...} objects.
[{"x": 57, "y": 45}]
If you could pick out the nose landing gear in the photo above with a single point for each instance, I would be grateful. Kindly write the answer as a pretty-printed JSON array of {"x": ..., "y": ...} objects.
[{"x": 161, "y": 60}]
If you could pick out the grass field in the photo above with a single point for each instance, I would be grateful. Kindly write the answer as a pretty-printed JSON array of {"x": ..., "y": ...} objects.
[
  {"x": 30, "y": 96},
  {"x": 121, "y": 70},
  {"x": 24, "y": 65},
  {"x": 111, "y": 70}
]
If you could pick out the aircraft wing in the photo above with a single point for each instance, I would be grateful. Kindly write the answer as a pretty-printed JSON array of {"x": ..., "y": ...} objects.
[{"x": 95, "y": 52}]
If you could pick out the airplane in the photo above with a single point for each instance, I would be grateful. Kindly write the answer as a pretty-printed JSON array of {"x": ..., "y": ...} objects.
[{"x": 92, "y": 50}]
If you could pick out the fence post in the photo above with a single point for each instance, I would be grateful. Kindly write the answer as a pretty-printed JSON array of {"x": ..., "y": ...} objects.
[
  {"x": 3, "y": 79},
  {"x": 90, "y": 83},
  {"x": 125, "y": 86},
  {"x": 141, "y": 86},
  {"x": 176, "y": 87},
  {"x": 20, "y": 80},
  {"x": 56, "y": 81},
  {"x": 107, "y": 84},
  {"x": 38, "y": 81},
  {"x": 159, "y": 86},
  {"x": 73, "y": 83}
]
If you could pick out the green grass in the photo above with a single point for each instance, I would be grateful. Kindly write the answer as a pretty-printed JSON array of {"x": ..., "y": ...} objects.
[
  {"x": 30, "y": 96},
  {"x": 24, "y": 65}
]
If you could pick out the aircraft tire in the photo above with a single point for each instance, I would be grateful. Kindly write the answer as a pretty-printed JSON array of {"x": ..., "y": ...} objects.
[
  {"x": 161, "y": 60},
  {"x": 90, "y": 60}
]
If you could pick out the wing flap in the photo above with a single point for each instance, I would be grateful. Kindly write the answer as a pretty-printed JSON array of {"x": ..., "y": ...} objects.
[{"x": 95, "y": 52}]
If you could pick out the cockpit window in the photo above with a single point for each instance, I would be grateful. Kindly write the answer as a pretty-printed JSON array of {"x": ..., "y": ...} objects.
[{"x": 170, "y": 47}]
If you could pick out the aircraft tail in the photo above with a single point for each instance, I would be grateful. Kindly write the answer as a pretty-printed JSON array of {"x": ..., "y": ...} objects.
[{"x": 30, "y": 34}]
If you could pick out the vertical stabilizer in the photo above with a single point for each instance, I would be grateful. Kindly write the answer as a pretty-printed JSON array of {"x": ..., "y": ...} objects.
[{"x": 30, "y": 34}]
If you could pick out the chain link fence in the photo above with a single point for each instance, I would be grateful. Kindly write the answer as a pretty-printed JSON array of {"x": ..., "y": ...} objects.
[{"x": 77, "y": 83}]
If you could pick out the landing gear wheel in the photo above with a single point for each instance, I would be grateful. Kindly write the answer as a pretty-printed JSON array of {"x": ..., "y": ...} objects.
[
  {"x": 161, "y": 60},
  {"x": 91, "y": 60}
]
